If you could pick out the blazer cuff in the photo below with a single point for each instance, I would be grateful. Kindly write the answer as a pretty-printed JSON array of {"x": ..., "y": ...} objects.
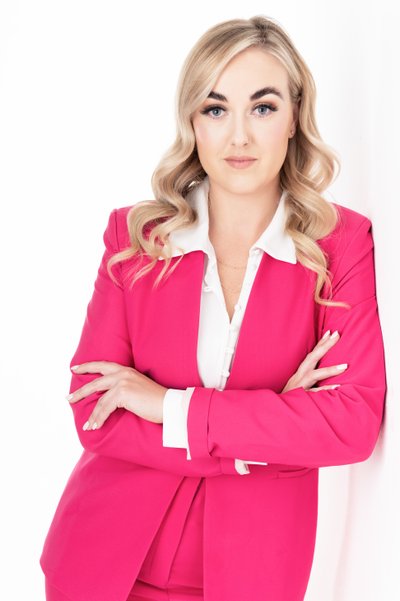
[
  {"x": 185, "y": 402},
  {"x": 197, "y": 422},
  {"x": 231, "y": 466}
]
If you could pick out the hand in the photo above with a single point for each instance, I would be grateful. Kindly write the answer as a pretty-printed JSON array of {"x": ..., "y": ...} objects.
[
  {"x": 126, "y": 388},
  {"x": 307, "y": 375}
]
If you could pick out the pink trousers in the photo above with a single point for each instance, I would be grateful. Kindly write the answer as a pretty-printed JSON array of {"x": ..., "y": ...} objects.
[
  {"x": 173, "y": 567},
  {"x": 140, "y": 592}
]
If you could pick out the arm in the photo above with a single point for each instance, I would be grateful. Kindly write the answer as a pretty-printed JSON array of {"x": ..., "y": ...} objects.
[
  {"x": 105, "y": 337},
  {"x": 303, "y": 427},
  {"x": 176, "y": 407}
]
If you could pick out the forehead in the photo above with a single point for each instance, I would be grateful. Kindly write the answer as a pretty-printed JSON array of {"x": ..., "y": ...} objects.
[{"x": 250, "y": 70}]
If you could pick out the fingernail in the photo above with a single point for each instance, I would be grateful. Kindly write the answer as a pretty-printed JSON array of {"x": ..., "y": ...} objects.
[
  {"x": 335, "y": 334},
  {"x": 341, "y": 366},
  {"x": 335, "y": 385},
  {"x": 325, "y": 335},
  {"x": 85, "y": 426},
  {"x": 94, "y": 426},
  {"x": 74, "y": 366},
  {"x": 69, "y": 397}
]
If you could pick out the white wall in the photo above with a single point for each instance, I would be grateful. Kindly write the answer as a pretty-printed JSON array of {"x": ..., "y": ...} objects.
[{"x": 85, "y": 113}]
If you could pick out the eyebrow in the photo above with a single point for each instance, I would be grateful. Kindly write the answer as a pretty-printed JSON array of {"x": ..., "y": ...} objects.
[{"x": 255, "y": 96}]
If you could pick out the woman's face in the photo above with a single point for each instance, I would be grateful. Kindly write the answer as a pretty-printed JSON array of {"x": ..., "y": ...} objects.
[{"x": 259, "y": 128}]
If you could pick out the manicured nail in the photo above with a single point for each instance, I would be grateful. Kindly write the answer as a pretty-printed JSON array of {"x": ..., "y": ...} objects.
[
  {"x": 335, "y": 385},
  {"x": 94, "y": 426},
  {"x": 335, "y": 334},
  {"x": 85, "y": 426},
  {"x": 326, "y": 335},
  {"x": 74, "y": 366},
  {"x": 342, "y": 366},
  {"x": 69, "y": 397}
]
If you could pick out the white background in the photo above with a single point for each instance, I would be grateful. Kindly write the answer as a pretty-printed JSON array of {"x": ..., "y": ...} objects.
[{"x": 86, "y": 110}]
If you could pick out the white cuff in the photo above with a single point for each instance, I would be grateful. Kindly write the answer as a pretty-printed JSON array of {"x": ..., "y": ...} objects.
[
  {"x": 174, "y": 419},
  {"x": 241, "y": 467}
]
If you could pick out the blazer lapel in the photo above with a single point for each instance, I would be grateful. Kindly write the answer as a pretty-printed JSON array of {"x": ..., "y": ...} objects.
[
  {"x": 164, "y": 323},
  {"x": 186, "y": 316},
  {"x": 275, "y": 307}
]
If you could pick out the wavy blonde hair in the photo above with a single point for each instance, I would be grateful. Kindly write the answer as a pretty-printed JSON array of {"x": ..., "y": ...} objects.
[{"x": 308, "y": 169}]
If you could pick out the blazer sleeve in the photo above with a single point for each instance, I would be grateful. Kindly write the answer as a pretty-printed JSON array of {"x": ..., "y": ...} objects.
[
  {"x": 105, "y": 337},
  {"x": 304, "y": 427},
  {"x": 175, "y": 409}
]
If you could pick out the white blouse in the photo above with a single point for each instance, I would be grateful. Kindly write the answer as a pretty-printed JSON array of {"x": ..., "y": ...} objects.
[{"x": 217, "y": 334}]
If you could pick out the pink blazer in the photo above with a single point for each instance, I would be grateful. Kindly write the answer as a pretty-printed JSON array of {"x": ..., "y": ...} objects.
[{"x": 259, "y": 529}]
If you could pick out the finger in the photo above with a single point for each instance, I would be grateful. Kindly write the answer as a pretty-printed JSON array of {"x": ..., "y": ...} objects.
[
  {"x": 326, "y": 372},
  {"x": 102, "y": 367},
  {"x": 104, "y": 407},
  {"x": 96, "y": 385},
  {"x": 319, "y": 351},
  {"x": 327, "y": 387},
  {"x": 315, "y": 375},
  {"x": 325, "y": 343}
]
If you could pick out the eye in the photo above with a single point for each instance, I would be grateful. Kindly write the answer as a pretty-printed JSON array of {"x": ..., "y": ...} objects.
[
  {"x": 209, "y": 109},
  {"x": 271, "y": 107}
]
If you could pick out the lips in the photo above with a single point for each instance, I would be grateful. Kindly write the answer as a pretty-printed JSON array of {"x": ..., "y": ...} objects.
[
  {"x": 240, "y": 162},
  {"x": 240, "y": 158}
]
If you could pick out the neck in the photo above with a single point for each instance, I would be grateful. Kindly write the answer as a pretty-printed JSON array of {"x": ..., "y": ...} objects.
[{"x": 240, "y": 217}]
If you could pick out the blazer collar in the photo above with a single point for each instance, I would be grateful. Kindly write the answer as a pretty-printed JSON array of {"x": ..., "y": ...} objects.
[{"x": 274, "y": 240}]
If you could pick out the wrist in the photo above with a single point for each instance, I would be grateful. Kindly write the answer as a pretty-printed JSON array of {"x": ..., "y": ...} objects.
[{"x": 161, "y": 397}]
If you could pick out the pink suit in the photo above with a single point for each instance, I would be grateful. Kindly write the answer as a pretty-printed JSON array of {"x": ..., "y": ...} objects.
[{"x": 259, "y": 529}]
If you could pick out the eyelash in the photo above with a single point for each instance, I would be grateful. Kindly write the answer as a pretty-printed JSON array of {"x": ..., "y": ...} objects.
[{"x": 212, "y": 108}]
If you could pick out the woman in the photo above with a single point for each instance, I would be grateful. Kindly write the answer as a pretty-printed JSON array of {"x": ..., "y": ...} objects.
[{"x": 197, "y": 363}]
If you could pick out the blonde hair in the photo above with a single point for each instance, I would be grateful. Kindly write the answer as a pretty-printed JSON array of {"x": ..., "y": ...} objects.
[{"x": 307, "y": 171}]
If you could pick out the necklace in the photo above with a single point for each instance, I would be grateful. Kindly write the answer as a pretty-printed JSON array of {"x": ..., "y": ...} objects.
[
  {"x": 228, "y": 289},
  {"x": 233, "y": 266}
]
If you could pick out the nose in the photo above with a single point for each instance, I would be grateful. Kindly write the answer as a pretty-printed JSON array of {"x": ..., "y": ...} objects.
[{"x": 239, "y": 131}]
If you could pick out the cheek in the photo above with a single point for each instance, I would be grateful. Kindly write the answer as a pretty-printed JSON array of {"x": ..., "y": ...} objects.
[
  {"x": 282, "y": 130},
  {"x": 205, "y": 135},
  {"x": 274, "y": 135}
]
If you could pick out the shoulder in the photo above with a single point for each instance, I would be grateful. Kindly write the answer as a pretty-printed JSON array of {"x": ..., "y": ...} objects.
[
  {"x": 349, "y": 224},
  {"x": 118, "y": 225},
  {"x": 349, "y": 241},
  {"x": 118, "y": 219},
  {"x": 350, "y": 217},
  {"x": 121, "y": 218},
  {"x": 116, "y": 231}
]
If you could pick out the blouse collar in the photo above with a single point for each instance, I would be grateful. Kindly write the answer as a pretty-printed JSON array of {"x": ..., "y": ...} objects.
[{"x": 273, "y": 240}]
